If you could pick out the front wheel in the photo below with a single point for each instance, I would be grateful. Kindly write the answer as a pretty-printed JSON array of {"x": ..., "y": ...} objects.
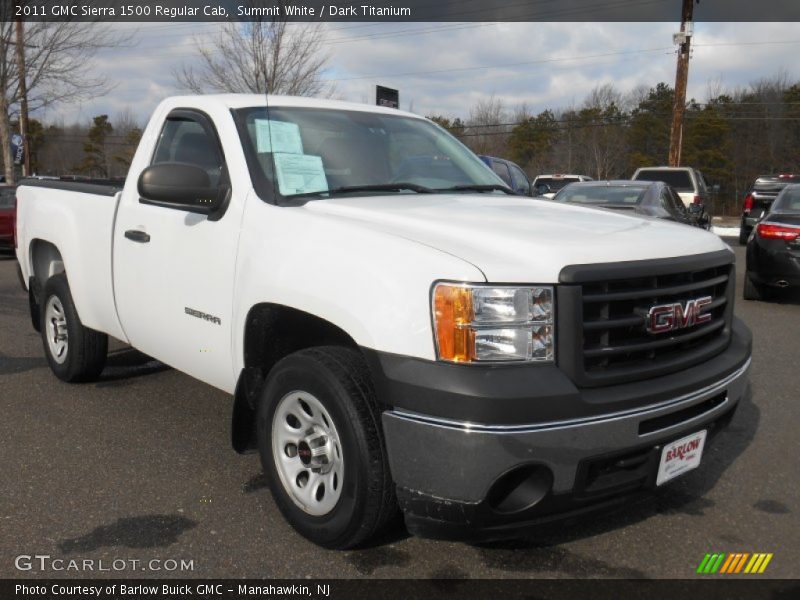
[
  {"x": 74, "y": 352},
  {"x": 752, "y": 290},
  {"x": 322, "y": 447}
]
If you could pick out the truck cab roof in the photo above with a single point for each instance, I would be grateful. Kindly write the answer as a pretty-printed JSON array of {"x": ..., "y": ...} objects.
[{"x": 234, "y": 101}]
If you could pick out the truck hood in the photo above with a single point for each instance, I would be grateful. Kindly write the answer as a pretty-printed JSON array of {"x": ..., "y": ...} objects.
[{"x": 513, "y": 239}]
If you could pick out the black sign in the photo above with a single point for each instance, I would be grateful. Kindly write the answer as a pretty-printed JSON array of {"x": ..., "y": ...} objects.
[{"x": 387, "y": 97}]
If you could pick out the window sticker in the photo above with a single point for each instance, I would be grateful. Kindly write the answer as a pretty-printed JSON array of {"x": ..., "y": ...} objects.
[
  {"x": 300, "y": 173},
  {"x": 278, "y": 136}
]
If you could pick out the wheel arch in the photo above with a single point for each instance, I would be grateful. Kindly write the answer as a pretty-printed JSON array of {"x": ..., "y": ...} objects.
[
  {"x": 271, "y": 332},
  {"x": 44, "y": 261}
]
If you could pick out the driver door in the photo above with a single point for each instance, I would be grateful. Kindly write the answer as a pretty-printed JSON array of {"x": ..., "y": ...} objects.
[{"x": 173, "y": 269}]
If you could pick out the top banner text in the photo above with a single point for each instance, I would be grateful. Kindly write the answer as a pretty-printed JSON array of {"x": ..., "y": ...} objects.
[{"x": 396, "y": 10}]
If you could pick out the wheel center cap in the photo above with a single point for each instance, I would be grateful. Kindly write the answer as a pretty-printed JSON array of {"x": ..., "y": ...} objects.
[{"x": 304, "y": 452}]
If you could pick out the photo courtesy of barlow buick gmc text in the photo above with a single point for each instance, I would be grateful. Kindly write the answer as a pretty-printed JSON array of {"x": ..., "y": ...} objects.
[{"x": 399, "y": 300}]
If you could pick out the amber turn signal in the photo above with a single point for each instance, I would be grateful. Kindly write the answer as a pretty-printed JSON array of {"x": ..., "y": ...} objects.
[{"x": 452, "y": 315}]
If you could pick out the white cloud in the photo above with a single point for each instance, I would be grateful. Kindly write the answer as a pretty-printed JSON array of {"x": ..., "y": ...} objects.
[{"x": 545, "y": 65}]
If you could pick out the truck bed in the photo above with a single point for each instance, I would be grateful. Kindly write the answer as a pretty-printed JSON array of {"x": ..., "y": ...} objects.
[{"x": 77, "y": 217}]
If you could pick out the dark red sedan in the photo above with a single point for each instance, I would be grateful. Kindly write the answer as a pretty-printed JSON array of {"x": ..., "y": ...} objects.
[{"x": 8, "y": 214}]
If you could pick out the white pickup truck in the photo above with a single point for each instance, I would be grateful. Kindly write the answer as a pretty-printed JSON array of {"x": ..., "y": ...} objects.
[{"x": 397, "y": 328}]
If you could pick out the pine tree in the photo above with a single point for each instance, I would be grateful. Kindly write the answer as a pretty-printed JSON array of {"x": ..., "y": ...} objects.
[{"x": 95, "y": 161}]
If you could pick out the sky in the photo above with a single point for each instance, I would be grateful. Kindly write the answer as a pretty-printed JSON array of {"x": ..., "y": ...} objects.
[{"x": 446, "y": 68}]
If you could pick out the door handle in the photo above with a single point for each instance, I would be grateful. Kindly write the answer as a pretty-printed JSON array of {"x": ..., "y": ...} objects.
[{"x": 137, "y": 236}]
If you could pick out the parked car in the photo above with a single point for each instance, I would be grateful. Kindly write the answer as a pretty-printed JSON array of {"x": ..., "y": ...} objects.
[
  {"x": 547, "y": 186},
  {"x": 758, "y": 200},
  {"x": 773, "y": 251},
  {"x": 397, "y": 328},
  {"x": 509, "y": 172},
  {"x": 652, "y": 199},
  {"x": 8, "y": 211},
  {"x": 688, "y": 182}
]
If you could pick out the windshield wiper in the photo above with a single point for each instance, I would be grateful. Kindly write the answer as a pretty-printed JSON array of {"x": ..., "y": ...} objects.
[
  {"x": 376, "y": 187},
  {"x": 491, "y": 187}
]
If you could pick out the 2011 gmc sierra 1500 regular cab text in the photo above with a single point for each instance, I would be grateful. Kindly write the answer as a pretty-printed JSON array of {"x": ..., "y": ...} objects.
[{"x": 397, "y": 328}]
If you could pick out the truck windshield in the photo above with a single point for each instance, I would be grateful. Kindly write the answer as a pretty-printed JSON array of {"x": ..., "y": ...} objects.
[{"x": 321, "y": 153}]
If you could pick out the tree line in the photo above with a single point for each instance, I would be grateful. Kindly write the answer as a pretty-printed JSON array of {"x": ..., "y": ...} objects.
[
  {"x": 732, "y": 137},
  {"x": 100, "y": 149}
]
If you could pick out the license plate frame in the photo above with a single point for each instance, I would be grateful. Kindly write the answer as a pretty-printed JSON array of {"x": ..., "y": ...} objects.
[{"x": 681, "y": 456}]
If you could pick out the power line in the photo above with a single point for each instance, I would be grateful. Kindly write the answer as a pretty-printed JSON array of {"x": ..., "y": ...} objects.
[{"x": 503, "y": 66}]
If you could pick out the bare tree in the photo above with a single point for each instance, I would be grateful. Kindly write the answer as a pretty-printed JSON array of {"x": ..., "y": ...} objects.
[
  {"x": 487, "y": 127},
  {"x": 602, "y": 133},
  {"x": 57, "y": 65},
  {"x": 635, "y": 97},
  {"x": 264, "y": 55}
]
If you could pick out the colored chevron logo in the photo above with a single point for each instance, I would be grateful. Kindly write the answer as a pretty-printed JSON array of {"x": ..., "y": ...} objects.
[{"x": 734, "y": 563}]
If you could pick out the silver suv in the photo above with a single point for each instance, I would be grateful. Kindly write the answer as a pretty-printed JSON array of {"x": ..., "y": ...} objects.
[{"x": 688, "y": 182}]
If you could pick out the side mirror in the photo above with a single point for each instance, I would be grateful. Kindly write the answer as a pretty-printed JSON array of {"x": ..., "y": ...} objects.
[
  {"x": 542, "y": 189},
  {"x": 182, "y": 186},
  {"x": 524, "y": 190}
]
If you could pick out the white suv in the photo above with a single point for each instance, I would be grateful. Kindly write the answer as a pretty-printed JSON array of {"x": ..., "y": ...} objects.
[
  {"x": 686, "y": 181},
  {"x": 554, "y": 183}
]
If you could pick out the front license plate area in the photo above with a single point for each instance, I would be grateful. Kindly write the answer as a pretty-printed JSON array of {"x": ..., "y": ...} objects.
[{"x": 681, "y": 456}]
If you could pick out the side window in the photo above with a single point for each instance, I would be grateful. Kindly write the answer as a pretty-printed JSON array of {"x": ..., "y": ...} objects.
[
  {"x": 521, "y": 183},
  {"x": 502, "y": 170},
  {"x": 185, "y": 140},
  {"x": 701, "y": 183}
]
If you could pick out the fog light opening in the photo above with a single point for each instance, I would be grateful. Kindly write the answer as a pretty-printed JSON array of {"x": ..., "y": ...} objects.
[{"x": 520, "y": 489}]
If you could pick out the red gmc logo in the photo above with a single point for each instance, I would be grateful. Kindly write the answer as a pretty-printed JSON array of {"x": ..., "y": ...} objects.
[{"x": 669, "y": 317}]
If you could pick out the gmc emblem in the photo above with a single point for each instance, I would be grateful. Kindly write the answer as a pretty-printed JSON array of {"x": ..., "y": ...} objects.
[{"x": 669, "y": 317}]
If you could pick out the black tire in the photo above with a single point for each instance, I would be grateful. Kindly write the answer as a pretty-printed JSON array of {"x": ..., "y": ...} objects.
[
  {"x": 85, "y": 354},
  {"x": 743, "y": 235},
  {"x": 752, "y": 290},
  {"x": 339, "y": 379}
]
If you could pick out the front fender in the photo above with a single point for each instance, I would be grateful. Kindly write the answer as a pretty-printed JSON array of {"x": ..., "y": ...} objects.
[{"x": 372, "y": 285}]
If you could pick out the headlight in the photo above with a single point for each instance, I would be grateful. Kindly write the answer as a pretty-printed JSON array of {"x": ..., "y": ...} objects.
[{"x": 484, "y": 323}]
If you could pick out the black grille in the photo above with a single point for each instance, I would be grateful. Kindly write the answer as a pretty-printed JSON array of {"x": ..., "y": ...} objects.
[{"x": 612, "y": 344}]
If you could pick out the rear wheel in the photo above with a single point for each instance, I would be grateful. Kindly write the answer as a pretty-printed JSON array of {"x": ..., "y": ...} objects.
[
  {"x": 74, "y": 352},
  {"x": 753, "y": 290},
  {"x": 743, "y": 235},
  {"x": 322, "y": 448}
]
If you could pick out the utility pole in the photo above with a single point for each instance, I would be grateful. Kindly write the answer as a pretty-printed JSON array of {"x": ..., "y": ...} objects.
[
  {"x": 684, "y": 41},
  {"x": 23, "y": 103}
]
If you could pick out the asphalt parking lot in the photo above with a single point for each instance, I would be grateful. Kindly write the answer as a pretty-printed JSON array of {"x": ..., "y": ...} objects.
[{"x": 138, "y": 466}]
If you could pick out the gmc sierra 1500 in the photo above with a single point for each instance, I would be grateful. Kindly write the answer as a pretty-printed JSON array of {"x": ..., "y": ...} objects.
[{"x": 397, "y": 327}]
